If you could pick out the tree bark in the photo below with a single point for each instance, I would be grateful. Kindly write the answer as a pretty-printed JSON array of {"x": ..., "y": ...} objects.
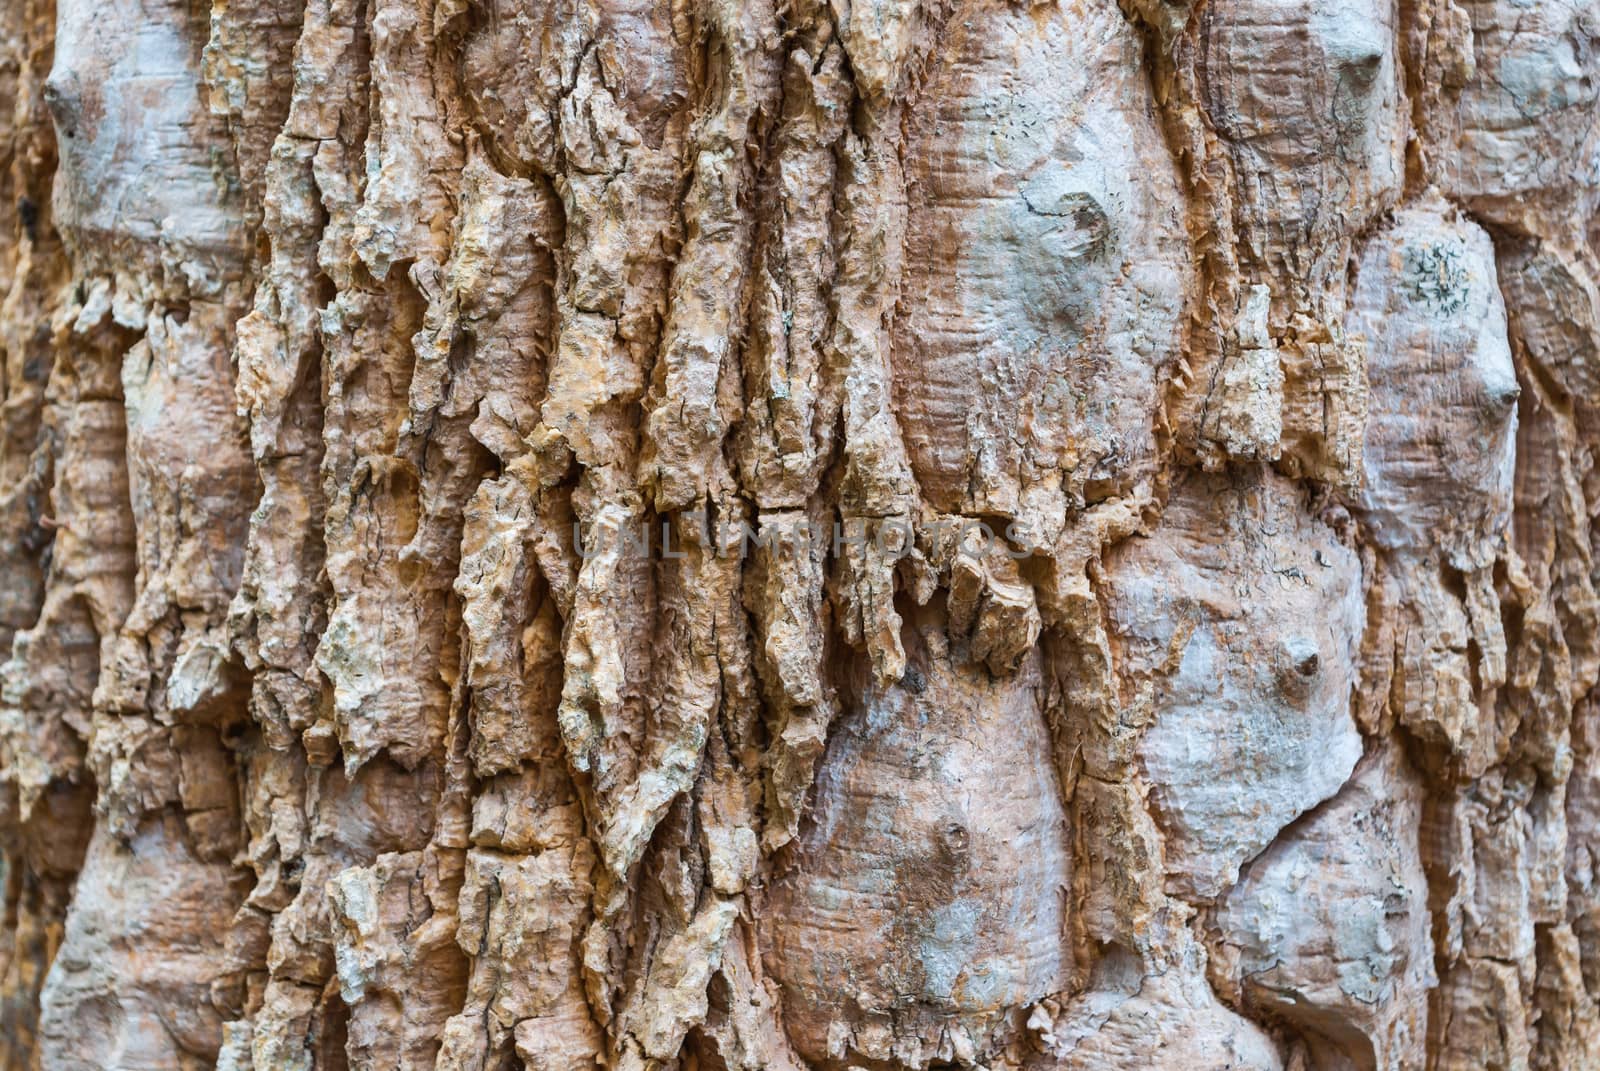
[{"x": 772, "y": 534}]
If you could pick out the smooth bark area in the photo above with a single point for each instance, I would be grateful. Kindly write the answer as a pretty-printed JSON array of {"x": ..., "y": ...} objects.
[{"x": 868, "y": 535}]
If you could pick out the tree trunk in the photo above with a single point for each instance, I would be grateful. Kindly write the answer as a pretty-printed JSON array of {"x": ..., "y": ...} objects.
[{"x": 766, "y": 534}]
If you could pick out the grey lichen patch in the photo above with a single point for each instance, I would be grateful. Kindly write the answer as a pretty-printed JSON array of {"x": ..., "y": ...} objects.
[{"x": 1439, "y": 275}]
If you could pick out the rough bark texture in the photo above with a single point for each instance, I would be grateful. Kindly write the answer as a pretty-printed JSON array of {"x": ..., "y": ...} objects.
[{"x": 766, "y": 534}]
